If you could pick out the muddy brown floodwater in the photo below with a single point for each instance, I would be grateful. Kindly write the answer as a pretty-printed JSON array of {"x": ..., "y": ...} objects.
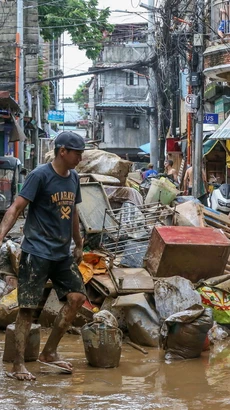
[{"x": 140, "y": 382}]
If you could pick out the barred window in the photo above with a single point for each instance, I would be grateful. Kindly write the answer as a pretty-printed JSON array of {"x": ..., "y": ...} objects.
[
  {"x": 132, "y": 79},
  {"x": 132, "y": 122}
]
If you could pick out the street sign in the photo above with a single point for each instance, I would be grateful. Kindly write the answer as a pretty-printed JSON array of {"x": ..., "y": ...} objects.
[
  {"x": 188, "y": 103},
  {"x": 210, "y": 118},
  {"x": 56, "y": 116}
]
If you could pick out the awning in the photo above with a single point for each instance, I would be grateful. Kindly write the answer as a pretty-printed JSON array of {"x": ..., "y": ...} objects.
[
  {"x": 52, "y": 133},
  {"x": 7, "y": 102},
  {"x": 145, "y": 148},
  {"x": 223, "y": 132},
  {"x": 17, "y": 133},
  {"x": 208, "y": 146}
]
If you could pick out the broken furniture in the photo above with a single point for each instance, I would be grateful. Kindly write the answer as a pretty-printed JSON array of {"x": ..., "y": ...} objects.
[
  {"x": 103, "y": 179},
  {"x": 191, "y": 252},
  {"x": 131, "y": 280},
  {"x": 92, "y": 208},
  {"x": 128, "y": 236}
]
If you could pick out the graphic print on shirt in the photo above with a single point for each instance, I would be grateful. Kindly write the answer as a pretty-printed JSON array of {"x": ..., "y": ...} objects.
[{"x": 65, "y": 201}]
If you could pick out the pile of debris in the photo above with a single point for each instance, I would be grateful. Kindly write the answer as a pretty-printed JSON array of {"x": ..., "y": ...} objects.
[{"x": 159, "y": 266}]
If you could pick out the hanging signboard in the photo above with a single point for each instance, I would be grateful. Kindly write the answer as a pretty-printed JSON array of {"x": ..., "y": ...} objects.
[
  {"x": 211, "y": 118},
  {"x": 56, "y": 116},
  {"x": 188, "y": 103}
]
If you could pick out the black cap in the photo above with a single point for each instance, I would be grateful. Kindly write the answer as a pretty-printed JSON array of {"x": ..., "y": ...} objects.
[{"x": 69, "y": 140}]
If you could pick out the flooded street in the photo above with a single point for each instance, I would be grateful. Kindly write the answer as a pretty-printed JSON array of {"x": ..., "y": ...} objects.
[{"x": 140, "y": 382}]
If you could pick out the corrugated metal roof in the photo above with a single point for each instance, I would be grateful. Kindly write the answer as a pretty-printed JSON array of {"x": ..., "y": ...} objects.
[
  {"x": 223, "y": 132},
  {"x": 123, "y": 104}
]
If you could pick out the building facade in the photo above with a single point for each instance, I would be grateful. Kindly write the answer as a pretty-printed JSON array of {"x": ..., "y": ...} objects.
[{"x": 119, "y": 107}]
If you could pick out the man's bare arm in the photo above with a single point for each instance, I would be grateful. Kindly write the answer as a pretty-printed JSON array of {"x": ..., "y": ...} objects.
[
  {"x": 11, "y": 216},
  {"x": 76, "y": 228},
  {"x": 175, "y": 175},
  {"x": 78, "y": 251},
  {"x": 186, "y": 181}
]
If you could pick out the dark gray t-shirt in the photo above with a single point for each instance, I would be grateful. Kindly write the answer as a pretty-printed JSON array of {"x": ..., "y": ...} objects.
[{"x": 49, "y": 224}]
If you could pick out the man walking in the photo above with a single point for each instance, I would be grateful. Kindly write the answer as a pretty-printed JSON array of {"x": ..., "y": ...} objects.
[{"x": 52, "y": 191}]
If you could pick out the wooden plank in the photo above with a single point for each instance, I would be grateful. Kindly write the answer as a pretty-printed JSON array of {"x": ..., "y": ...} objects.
[
  {"x": 223, "y": 218},
  {"x": 217, "y": 223},
  {"x": 220, "y": 226}
]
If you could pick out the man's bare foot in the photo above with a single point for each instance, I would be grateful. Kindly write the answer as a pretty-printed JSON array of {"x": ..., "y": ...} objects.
[
  {"x": 56, "y": 361},
  {"x": 19, "y": 372}
]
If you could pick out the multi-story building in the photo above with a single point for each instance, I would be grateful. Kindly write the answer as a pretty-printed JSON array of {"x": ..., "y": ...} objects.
[
  {"x": 217, "y": 90},
  {"x": 217, "y": 59},
  {"x": 41, "y": 60},
  {"x": 9, "y": 60},
  {"x": 120, "y": 113}
]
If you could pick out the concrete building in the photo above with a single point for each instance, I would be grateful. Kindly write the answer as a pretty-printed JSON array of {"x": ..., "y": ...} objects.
[
  {"x": 8, "y": 29},
  {"x": 41, "y": 59},
  {"x": 217, "y": 60},
  {"x": 120, "y": 112},
  {"x": 8, "y": 61}
]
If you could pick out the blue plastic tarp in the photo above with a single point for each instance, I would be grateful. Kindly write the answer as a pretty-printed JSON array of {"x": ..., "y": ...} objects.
[{"x": 145, "y": 148}]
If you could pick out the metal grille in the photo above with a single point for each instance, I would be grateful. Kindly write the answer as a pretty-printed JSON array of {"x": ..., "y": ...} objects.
[{"x": 133, "y": 228}]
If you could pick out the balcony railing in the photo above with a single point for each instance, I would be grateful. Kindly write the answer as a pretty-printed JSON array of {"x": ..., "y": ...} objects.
[{"x": 220, "y": 20}]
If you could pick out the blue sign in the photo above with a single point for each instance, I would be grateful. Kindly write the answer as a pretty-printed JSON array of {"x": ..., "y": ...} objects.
[
  {"x": 56, "y": 116},
  {"x": 210, "y": 118}
]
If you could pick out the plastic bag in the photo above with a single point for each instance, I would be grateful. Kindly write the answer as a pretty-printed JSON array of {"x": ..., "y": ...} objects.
[
  {"x": 218, "y": 300},
  {"x": 217, "y": 333}
]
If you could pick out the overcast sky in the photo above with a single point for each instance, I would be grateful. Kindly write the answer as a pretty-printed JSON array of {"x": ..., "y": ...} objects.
[{"x": 75, "y": 60}]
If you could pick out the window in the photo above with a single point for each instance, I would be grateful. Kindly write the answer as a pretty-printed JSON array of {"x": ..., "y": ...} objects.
[
  {"x": 132, "y": 78},
  {"x": 132, "y": 122}
]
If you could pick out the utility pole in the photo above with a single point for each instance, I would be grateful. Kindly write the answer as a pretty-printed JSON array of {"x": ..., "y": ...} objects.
[
  {"x": 20, "y": 80},
  {"x": 153, "y": 108},
  {"x": 198, "y": 103}
]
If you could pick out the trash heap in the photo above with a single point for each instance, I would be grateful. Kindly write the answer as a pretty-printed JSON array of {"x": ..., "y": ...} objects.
[{"x": 156, "y": 261}]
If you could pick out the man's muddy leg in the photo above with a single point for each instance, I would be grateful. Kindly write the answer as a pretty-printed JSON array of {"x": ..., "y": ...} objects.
[
  {"x": 22, "y": 329},
  {"x": 61, "y": 325}
]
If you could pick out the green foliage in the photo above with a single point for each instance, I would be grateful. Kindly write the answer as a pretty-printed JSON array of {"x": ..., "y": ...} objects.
[
  {"x": 45, "y": 97},
  {"x": 67, "y": 100},
  {"x": 81, "y": 19},
  {"x": 44, "y": 87},
  {"x": 81, "y": 95}
]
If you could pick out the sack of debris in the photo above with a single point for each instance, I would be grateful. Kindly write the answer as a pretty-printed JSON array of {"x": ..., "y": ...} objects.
[
  {"x": 184, "y": 333},
  {"x": 14, "y": 250},
  {"x": 101, "y": 162},
  {"x": 173, "y": 295},
  {"x": 141, "y": 319}
]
